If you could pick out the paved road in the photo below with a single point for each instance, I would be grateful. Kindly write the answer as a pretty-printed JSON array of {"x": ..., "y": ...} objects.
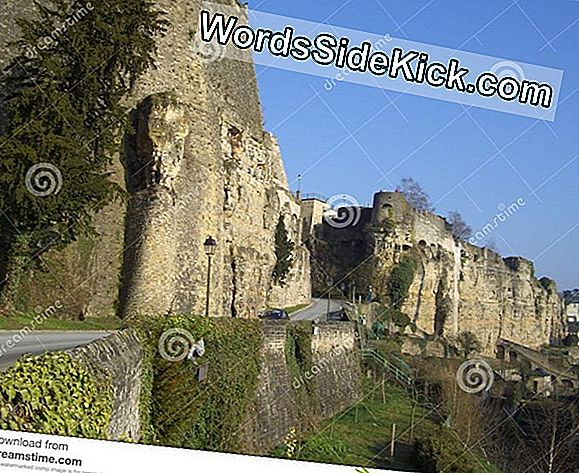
[
  {"x": 318, "y": 310},
  {"x": 13, "y": 346}
]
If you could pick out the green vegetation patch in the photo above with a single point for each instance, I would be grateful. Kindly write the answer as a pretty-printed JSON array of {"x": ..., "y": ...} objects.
[
  {"x": 299, "y": 359},
  {"x": 54, "y": 394},
  {"x": 401, "y": 279},
  {"x": 178, "y": 409},
  {"x": 23, "y": 320},
  {"x": 284, "y": 253},
  {"x": 360, "y": 436},
  {"x": 438, "y": 452}
]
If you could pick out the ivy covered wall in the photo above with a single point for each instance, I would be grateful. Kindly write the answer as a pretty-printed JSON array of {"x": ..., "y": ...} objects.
[{"x": 255, "y": 382}]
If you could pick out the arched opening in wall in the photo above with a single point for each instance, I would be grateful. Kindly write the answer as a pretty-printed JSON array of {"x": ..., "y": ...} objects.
[
  {"x": 422, "y": 243},
  {"x": 406, "y": 247},
  {"x": 388, "y": 208},
  {"x": 513, "y": 356},
  {"x": 501, "y": 352}
]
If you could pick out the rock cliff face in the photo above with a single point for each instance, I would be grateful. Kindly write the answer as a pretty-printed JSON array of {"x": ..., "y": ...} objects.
[
  {"x": 457, "y": 287},
  {"x": 200, "y": 164}
]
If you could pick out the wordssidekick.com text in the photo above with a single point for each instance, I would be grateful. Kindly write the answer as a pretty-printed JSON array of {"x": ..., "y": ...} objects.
[{"x": 412, "y": 66}]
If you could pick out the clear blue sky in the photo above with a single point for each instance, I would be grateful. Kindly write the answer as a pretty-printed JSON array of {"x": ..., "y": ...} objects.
[{"x": 443, "y": 146}]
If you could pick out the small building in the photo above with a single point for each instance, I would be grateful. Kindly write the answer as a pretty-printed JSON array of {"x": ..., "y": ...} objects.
[
  {"x": 572, "y": 312},
  {"x": 313, "y": 210}
]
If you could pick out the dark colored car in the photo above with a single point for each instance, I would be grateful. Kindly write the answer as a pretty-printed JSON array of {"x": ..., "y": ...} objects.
[
  {"x": 338, "y": 316},
  {"x": 274, "y": 314}
]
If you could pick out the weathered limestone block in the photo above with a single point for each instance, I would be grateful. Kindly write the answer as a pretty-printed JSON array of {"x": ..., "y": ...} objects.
[{"x": 117, "y": 359}]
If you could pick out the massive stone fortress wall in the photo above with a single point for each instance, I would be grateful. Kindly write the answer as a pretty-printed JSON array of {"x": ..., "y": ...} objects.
[
  {"x": 119, "y": 361},
  {"x": 199, "y": 164},
  {"x": 335, "y": 370},
  {"x": 458, "y": 287}
]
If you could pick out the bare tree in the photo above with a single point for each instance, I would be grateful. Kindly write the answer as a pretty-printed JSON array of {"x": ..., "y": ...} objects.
[
  {"x": 415, "y": 194},
  {"x": 552, "y": 432},
  {"x": 460, "y": 230}
]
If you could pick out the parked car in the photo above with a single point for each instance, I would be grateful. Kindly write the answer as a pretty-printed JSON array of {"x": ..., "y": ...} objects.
[
  {"x": 274, "y": 314},
  {"x": 338, "y": 316}
]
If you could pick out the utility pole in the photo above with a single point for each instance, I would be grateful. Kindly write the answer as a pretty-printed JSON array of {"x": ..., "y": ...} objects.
[{"x": 330, "y": 283}]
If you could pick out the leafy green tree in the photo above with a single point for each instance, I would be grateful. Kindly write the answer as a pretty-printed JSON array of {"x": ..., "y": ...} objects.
[
  {"x": 64, "y": 93},
  {"x": 284, "y": 249}
]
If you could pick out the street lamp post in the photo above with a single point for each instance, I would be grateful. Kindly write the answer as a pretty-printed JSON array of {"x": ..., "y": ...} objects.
[{"x": 210, "y": 246}]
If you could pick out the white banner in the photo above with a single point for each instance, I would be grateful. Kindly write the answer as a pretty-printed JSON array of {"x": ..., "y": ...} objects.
[{"x": 35, "y": 452}]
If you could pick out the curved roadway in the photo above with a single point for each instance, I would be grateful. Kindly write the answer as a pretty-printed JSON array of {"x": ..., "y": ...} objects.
[
  {"x": 318, "y": 310},
  {"x": 13, "y": 345}
]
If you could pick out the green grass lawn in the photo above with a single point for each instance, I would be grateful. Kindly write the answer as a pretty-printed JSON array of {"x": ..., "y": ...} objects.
[
  {"x": 20, "y": 321},
  {"x": 361, "y": 435}
]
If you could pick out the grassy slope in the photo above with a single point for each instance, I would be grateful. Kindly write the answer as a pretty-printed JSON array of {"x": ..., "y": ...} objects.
[
  {"x": 361, "y": 435},
  {"x": 19, "y": 321}
]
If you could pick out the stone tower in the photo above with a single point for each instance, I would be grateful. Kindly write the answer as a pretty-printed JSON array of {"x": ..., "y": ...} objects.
[{"x": 199, "y": 164}]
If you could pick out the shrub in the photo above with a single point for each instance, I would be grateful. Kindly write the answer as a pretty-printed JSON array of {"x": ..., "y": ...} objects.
[
  {"x": 284, "y": 249},
  {"x": 442, "y": 453},
  {"x": 388, "y": 226},
  {"x": 468, "y": 343},
  {"x": 299, "y": 359},
  {"x": 54, "y": 394},
  {"x": 323, "y": 446},
  {"x": 182, "y": 412},
  {"x": 401, "y": 279}
]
